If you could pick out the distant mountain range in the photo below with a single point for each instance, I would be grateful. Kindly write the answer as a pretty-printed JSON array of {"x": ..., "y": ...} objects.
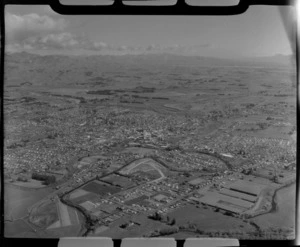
[{"x": 162, "y": 59}]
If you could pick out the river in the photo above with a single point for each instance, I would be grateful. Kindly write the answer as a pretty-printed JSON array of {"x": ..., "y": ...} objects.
[{"x": 284, "y": 215}]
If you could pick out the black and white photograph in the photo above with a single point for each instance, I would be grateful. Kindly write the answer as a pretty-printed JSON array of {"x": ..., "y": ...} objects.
[{"x": 150, "y": 125}]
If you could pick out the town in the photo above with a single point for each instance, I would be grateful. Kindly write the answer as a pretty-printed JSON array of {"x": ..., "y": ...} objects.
[{"x": 176, "y": 158}]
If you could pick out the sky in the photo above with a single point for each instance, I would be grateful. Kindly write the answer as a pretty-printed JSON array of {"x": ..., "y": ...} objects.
[{"x": 38, "y": 29}]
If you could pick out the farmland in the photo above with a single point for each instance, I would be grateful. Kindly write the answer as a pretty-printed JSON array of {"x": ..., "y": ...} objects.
[
  {"x": 174, "y": 146},
  {"x": 119, "y": 181},
  {"x": 19, "y": 200},
  {"x": 100, "y": 189}
]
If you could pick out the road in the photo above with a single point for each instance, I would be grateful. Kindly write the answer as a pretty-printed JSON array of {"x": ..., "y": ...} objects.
[{"x": 63, "y": 186}]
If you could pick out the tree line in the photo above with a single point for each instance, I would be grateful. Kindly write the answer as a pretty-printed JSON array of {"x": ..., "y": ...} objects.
[{"x": 47, "y": 179}]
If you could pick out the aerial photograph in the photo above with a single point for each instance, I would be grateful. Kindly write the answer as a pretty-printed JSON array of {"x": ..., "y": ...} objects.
[{"x": 149, "y": 126}]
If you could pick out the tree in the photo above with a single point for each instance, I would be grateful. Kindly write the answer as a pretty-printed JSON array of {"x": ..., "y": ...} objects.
[
  {"x": 155, "y": 216},
  {"x": 168, "y": 231},
  {"x": 22, "y": 179},
  {"x": 168, "y": 219},
  {"x": 47, "y": 179},
  {"x": 173, "y": 222}
]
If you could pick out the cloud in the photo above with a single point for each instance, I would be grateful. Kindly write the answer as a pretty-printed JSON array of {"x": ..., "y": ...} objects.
[
  {"x": 98, "y": 46},
  {"x": 21, "y": 27},
  {"x": 53, "y": 41},
  {"x": 63, "y": 40},
  {"x": 50, "y": 32}
]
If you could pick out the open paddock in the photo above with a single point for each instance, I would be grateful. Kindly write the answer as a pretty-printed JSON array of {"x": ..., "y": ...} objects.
[
  {"x": 247, "y": 187},
  {"x": 136, "y": 200},
  {"x": 227, "y": 203},
  {"x": 63, "y": 213},
  {"x": 237, "y": 194},
  {"x": 100, "y": 213},
  {"x": 260, "y": 180},
  {"x": 78, "y": 193},
  {"x": 17, "y": 201},
  {"x": 12, "y": 229},
  {"x": 206, "y": 219},
  {"x": 283, "y": 176},
  {"x": 86, "y": 197},
  {"x": 196, "y": 181},
  {"x": 64, "y": 231},
  {"x": 108, "y": 208},
  {"x": 288, "y": 177},
  {"x": 88, "y": 205},
  {"x": 100, "y": 188},
  {"x": 85, "y": 161},
  {"x": 117, "y": 180},
  {"x": 264, "y": 173}
]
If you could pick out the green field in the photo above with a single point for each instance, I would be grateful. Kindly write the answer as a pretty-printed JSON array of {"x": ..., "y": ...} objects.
[
  {"x": 17, "y": 200},
  {"x": 86, "y": 197},
  {"x": 119, "y": 181},
  {"x": 138, "y": 200},
  {"x": 146, "y": 226},
  {"x": 101, "y": 189},
  {"x": 247, "y": 187},
  {"x": 14, "y": 228},
  {"x": 207, "y": 219},
  {"x": 78, "y": 193}
]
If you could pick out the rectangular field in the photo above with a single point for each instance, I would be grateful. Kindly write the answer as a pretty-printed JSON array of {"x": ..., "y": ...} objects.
[
  {"x": 88, "y": 205},
  {"x": 100, "y": 213},
  {"x": 196, "y": 181},
  {"x": 246, "y": 187},
  {"x": 136, "y": 200},
  {"x": 108, "y": 208},
  {"x": 63, "y": 214},
  {"x": 78, "y": 193},
  {"x": 101, "y": 189},
  {"x": 237, "y": 194},
  {"x": 119, "y": 181},
  {"x": 87, "y": 197},
  {"x": 225, "y": 202},
  {"x": 73, "y": 216},
  {"x": 231, "y": 207}
]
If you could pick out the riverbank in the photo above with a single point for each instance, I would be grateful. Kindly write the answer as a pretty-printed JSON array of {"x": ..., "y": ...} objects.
[{"x": 282, "y": 214}]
